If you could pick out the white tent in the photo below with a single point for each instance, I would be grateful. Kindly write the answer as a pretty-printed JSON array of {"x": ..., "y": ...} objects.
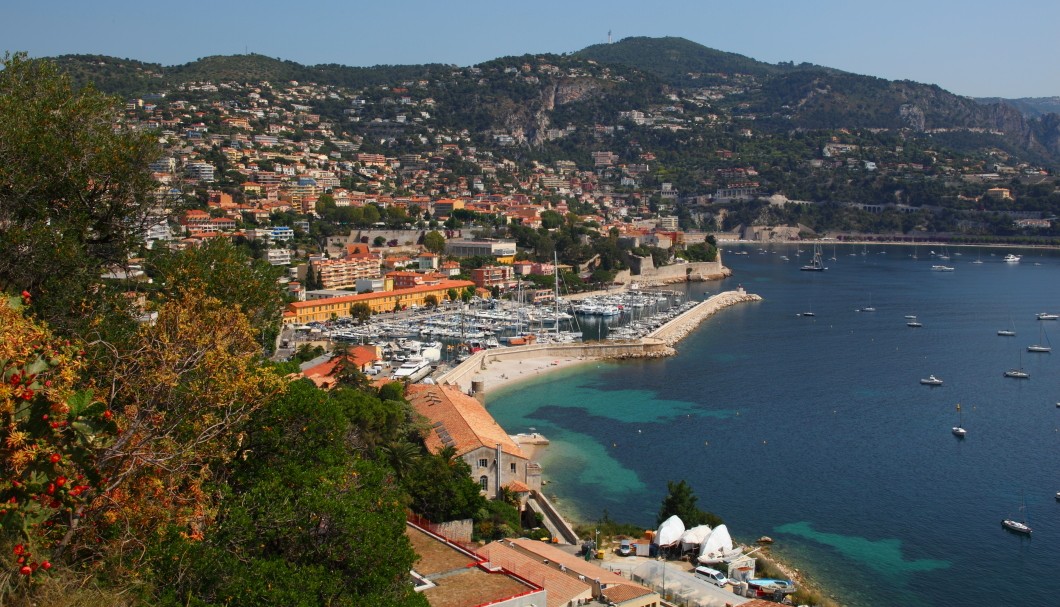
[
  {"x": 694, "y": 537},
  {"x": 718, "y": 547},
  {"x": 670, "y": 531}
]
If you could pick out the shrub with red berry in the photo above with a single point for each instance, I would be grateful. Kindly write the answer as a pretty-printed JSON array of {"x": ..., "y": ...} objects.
[{"x": 50, "y": 432}]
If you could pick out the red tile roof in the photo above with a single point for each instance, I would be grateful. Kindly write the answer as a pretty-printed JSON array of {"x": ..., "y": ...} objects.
[{"x": 464, "y": 419}]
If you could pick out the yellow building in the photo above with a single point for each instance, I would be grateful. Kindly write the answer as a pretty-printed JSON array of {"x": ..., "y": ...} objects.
[{"x": 319, "y": 310}]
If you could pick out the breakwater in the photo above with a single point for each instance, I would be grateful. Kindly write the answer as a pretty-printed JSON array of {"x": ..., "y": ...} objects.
[{"x": 678, "y": 328}]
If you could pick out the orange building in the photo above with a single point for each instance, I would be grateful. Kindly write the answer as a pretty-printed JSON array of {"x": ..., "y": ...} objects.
[{"x": 318, "y": 310}]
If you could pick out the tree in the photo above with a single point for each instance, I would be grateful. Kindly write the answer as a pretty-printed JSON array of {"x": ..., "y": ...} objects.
[
  {"x": 451, "y": 294},
  {"x": 680, "y": 500},
  {"x": 76, "y": 193},
  {"x": 218, "y": 269},
  {"x": 379, "y": 241},
  {"x": 182, "y": 391},
  {"x": 434, "y": 242},
  {"x": 361, "y": 312},
  {"x": 311, "y": 281},
  {"x": 309, "y": 519},
  {"x": 431, "y": 301}
]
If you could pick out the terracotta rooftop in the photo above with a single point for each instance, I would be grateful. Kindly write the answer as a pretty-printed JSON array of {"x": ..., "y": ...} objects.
[
  {"x": 561, "y": 588},
  {"x": 458, "y": 420},
  {"x": 459, "y": 579}
]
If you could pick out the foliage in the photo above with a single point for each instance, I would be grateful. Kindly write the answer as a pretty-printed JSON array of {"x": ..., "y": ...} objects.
[
  {"x": 434, "y": 242},
  {"x": 75, "y": 192},
  {"x": 680, "y": 500},
  {"x": 361, "y": 312},
  {"x": 497, "y": 520},
  {"x": 441, "y": 489},
  {"x": 50, "y": 432},
  {"x": 219, "y": 270},
  {"x": 307, "y": 520},
  {"x": 181, "y": 394}
]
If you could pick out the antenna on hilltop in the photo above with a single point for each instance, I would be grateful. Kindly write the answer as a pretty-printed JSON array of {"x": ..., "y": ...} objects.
[{"x": 609, "y": 36}]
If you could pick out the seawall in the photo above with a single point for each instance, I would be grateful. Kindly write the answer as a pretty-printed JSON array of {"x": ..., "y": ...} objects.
[{"x": 678, "y": 328}]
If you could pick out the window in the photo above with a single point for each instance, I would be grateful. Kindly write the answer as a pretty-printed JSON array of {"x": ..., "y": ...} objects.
[
  {"x": 484, "y": 482},
  {"x": 513, "y": 467},
  {"x": 483, "y": 463}
]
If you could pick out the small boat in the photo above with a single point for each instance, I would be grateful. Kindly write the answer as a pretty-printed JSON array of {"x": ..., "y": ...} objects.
[
  {"x": 931, "y": 380},
  {"x": 1010, "y": 258},
  {"x": 808, "y": 314},
  {"x": 914, "y": 324},
  {"x": 1006, "y": 333},
  {"x": 1017, "y": 373},
  {"x": 1047, "y": 316},
  {"x": 1019, "y": 526},
  {"x": 959, "y": 430},
  {"x": 943, "y": 268},
  {"x": 911, "y": 316}
]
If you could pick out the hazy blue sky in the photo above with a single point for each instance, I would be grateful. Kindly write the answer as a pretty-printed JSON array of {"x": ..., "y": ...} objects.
[{"x": 970, "y": 47}]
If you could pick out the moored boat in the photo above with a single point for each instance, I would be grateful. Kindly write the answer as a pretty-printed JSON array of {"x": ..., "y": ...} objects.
[{"x": 931, "y": 380}]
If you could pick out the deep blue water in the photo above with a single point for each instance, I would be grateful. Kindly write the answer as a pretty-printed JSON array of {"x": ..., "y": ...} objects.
[{"x": 816, "y": 431}]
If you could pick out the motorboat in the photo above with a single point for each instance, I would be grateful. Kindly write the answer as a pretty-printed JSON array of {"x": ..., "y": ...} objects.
[
  {"x": 1017, "y": 373},
  {"x": 959, "y": 432},
  {"x": 1006, "y": 333},
  {"x": 914, "y": 324},
  {"x": 911, "y": 316},
  {"x": 943, "y": 268},
  {"x": 1010, "y": 258},
  {"x": 1047, "y": 316},
  {"x": 931, "y": 380}
]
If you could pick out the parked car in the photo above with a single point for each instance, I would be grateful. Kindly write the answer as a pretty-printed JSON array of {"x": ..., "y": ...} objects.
[
  {"x": 712, "y": 575},
  {"x": 625, "y": 548}
]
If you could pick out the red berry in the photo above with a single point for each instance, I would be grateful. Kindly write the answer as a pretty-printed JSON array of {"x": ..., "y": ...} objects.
[
  {"x": 25, "y": 570},
  {"x": 44, "y": 417},
  {"x": 46, "y": 565},
  {"x": 19, "y": 549},
  {"x": 26, "y": 294},
  {"x": 55, "y": 458},
  {"x": 107, "y": 415},
  {"x": 59, "y": 482}
]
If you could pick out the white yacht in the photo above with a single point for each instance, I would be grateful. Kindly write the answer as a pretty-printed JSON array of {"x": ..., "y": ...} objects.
[{"x": 1010, "y": 258}]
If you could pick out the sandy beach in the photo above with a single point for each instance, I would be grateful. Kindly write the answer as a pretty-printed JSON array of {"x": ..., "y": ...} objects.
[{"x": 500, "y": 373}]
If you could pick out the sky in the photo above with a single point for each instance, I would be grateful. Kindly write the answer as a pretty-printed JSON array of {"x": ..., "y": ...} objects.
[{"x": 970, "y": 47}]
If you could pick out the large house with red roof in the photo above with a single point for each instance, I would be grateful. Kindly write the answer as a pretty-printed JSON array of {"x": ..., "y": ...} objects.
[{"x": 459, "y": 421}]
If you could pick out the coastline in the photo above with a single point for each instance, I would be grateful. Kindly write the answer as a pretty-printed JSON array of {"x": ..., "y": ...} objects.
[{"x": 494, "y": 374}]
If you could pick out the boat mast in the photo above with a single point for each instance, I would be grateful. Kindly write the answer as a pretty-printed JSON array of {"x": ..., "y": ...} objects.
[{"x": 555, "y": 296}]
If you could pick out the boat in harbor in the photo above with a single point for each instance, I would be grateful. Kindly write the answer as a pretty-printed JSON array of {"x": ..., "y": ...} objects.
[
  {"x": 1010, "y": 258},
  {"x": 931, "y": 380},
  {"x": 910, "y": 316},
  {"x": 816, "y": 264},
  {"x": 943, "y": 268},
  {"x": 1006, "y": 333},
  {"x": 1043, "y": 344},
  {"x": 915, "y": 324},
  {"x": 1018, "y": 373},
  {"x": 1019, "y": 526},
  {"x": 1047, "y": 316},
  {"x": 959, "y": 430}
]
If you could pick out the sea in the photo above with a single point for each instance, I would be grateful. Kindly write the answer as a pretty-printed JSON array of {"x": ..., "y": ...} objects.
[{"x": 816, "y": 431}]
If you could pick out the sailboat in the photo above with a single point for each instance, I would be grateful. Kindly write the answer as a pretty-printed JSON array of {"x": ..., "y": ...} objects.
[
  {"x": 816, "y": 265},
  {"x": 1008, "y": 332},
  {"x": 980, "y": 258},
  {"x": 1018, "y": 373},
  {"x": 1021, "y": 525},
  {"x": 1040, "y": 346},
  {"x": 959, "y": 430}
]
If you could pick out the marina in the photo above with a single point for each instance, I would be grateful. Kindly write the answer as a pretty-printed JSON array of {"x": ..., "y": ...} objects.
[{"x": 619, "y": 430}]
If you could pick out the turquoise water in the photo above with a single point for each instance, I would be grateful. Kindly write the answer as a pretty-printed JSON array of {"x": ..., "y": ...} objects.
[{"x": 816, "y": 431}]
